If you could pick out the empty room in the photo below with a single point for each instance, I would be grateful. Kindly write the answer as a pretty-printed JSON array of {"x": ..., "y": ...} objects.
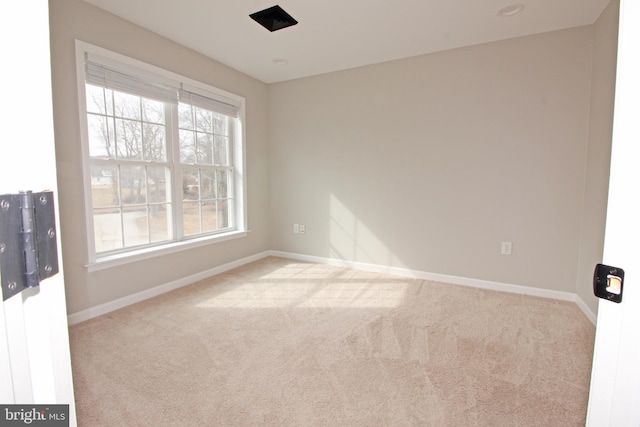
[{"x": 351, "y": 213}]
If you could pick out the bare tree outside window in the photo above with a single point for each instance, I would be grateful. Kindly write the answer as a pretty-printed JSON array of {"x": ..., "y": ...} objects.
[
  {"x": 127, "y": 147},
  {"x": 131, "y": 170},
  {"x": 205, "y": 147}
]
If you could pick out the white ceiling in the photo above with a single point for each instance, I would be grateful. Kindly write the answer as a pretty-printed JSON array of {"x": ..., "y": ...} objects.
[{"x": 339, "y": 34}]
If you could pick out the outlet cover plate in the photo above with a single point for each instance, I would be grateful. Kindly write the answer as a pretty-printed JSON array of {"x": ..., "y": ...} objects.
[{"x": 505, "y": 248}]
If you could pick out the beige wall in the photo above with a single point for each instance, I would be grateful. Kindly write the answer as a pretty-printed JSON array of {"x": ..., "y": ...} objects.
[
  {"x": 605, "y": 42},
  {"x": 74, "y": 19},
  {"x": 426, "y": 163},
  {"x": 430, "y": 162}
]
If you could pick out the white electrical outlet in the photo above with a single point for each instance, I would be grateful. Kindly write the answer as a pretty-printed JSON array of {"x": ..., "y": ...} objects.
[
  {"x": 303, "y": 229},
  {"x": 296, "y": 228},
  {"x": 505, "y": 248}
]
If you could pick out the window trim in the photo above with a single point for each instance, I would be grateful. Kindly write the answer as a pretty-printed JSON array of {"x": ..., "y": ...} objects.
[
  {"x": 97, "y": 262},
  {"x": 148, "y": 252}
]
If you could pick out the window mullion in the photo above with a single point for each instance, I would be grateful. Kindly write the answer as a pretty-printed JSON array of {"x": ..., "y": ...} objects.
[
  {"x": 115, "y": 126},
  {"x": 147, "y": 204},
  {"x": 173, "y": 155},
  {"x": 120, "y": 206},
  {"x": 200, "y": 199},
  {"x": 141, "y": 121},
  {"x": 231, "y": 199},
  {"x": 234, "y": 178},
  {"x": 230, "y": 141}
]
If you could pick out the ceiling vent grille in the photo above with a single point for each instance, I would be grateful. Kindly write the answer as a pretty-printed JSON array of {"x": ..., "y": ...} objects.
[{"x": 273, "y": 18}]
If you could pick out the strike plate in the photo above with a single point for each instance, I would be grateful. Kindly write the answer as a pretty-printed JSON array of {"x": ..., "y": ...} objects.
[{"x": 608, "y": 282}]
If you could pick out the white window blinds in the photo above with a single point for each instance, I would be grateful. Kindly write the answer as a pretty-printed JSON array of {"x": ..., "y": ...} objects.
[
  {"x": 207, "y": 103},
  {"x": 104, "y": 76}
]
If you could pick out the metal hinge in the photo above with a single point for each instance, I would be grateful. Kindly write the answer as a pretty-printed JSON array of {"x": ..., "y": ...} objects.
[{"x": 28, "y": 245}]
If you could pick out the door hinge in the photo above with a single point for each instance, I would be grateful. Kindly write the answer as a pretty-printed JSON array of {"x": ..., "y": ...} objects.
[{"x": 28, "y": 244}]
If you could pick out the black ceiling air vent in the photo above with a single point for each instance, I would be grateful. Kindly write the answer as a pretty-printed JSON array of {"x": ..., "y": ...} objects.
[{"x": 273, "y": 18}]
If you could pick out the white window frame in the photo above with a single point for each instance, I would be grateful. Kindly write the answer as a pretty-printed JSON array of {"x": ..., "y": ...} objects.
[{"x": 135, "y": 67}]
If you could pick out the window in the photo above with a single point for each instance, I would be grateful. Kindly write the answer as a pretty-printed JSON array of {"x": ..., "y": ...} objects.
[{"x": 163, "y": 157}]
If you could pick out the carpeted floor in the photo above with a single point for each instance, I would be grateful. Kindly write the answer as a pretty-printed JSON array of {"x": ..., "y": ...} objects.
[{"x": 286, "y": 343}]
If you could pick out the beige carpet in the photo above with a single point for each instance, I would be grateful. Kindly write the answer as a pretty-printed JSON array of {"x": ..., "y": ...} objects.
[{"x": 285, "y": 343}]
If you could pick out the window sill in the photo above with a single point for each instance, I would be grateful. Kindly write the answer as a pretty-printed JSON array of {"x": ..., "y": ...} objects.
[{"x": 110, "y": 261}]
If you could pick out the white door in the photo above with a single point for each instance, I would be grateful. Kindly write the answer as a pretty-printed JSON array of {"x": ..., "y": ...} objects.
[
  {"x": 615, "y": 382},
  {"x": 35, "y": 365}
]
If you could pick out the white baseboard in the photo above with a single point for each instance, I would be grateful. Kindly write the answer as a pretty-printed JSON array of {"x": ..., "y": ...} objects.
[
  {"x": 585, "y": 309},
  {"x": 101, "y": 309},
  {"x": 443, "y": 278}
]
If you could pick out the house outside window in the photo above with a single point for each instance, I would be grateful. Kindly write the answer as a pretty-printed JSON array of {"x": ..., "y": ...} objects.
[{"x": 163, "y": 157}]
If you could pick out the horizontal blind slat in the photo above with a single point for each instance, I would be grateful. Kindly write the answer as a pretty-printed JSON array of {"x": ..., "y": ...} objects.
[
  {"x": 196, "y": 100},
  {"x": 103, "y": 76}
]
